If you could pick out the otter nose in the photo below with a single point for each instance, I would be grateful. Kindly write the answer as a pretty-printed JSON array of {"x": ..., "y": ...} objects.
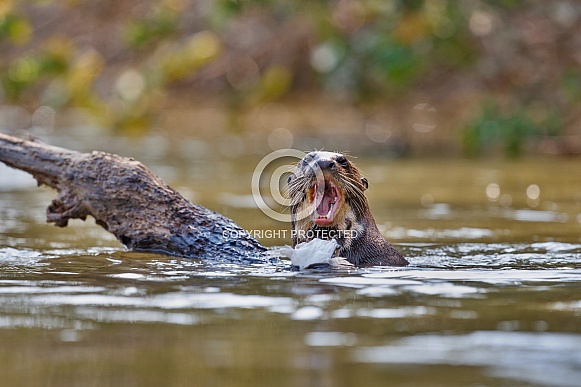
[{"x": 326, "y": 164}]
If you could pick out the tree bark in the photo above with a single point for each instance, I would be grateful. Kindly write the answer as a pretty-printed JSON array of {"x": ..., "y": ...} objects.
[{"x": 130, "y": 201}]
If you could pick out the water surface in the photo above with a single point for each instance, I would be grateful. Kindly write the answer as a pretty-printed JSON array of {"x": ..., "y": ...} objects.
[{"x": 491, "y": 296}]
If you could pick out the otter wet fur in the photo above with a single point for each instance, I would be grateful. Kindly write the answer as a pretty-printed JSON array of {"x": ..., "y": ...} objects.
[{"x": 327, "y": 201}]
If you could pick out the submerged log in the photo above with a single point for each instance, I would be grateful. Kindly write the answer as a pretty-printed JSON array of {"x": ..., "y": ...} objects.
[{"x": 130, "y": 201}]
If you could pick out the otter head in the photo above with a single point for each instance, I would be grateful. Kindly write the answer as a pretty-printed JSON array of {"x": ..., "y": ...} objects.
[
  {"x": 327, "y": 201},
  {"x": 326, "y": 190}
]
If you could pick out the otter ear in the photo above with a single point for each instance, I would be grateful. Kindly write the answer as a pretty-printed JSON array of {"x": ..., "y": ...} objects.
[{"x": 365, "y": 183}]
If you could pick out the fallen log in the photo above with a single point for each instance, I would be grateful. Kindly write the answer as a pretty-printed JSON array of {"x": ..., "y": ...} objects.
[{"x": 130, "y": 201}]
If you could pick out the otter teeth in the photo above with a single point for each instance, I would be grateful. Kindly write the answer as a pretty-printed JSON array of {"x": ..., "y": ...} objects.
[
  {"x": 328, "y": 213},
  {"x": 330, "y": 210},
  {"x": 327, "y": 193}
]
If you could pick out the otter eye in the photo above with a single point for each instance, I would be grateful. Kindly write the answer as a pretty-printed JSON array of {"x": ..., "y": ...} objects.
[
  {"x": 365, "y": 182},
  {"x": 343, "y": 161}
]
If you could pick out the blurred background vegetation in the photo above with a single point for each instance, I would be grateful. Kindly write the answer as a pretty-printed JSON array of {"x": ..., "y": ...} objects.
[{"x": 390, "y": 77}]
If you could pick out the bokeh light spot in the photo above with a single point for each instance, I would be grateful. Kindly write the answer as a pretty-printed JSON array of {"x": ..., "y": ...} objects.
[
  {"x": 280, "y": 138},
  {"x": 493, "y": 192}
]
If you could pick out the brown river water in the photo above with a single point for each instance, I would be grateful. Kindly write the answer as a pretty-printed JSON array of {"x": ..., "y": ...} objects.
[{"x": 492, "y": 296}]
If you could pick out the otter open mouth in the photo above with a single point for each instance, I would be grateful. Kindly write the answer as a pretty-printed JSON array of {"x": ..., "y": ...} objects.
[{"x": 326, "y": 202}]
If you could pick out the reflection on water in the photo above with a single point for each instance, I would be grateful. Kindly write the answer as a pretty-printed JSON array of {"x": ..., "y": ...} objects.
[
  {"x": 490, "y": 298},
  {"x": 501, "y": 323},
  {"x": 553, "y": 360}
]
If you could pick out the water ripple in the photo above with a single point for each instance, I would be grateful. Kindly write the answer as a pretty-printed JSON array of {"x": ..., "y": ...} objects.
[{"x": 553, "y": 360}]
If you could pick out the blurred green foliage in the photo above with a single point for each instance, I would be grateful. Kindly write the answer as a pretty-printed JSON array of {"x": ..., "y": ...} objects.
[
  {"x": 15, "y": 28},
  {"x": 124, "y": 60},
  {"x": 510, "y": 130},
  {"x": 162, "y": 22}
]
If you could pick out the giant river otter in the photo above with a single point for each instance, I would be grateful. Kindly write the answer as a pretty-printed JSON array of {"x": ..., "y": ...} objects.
[{"x": 327, "y": 201}]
